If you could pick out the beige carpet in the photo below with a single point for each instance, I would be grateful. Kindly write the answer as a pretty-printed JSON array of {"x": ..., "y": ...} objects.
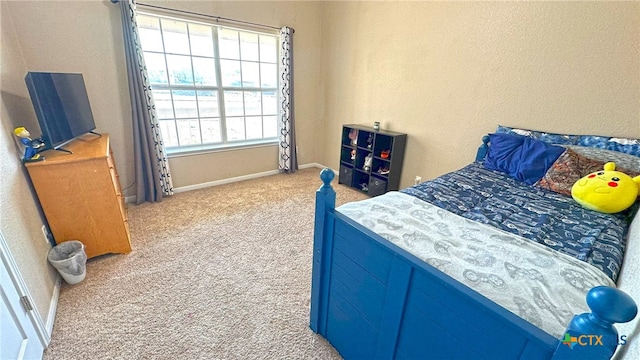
[{"x": 216, "y": 273}]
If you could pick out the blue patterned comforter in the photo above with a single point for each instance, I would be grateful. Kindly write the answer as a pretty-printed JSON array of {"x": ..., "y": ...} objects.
[{"x": 554, "y": 220}]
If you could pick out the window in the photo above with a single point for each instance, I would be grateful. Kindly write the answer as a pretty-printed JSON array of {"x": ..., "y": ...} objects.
[{"x": 213, "y": 86}]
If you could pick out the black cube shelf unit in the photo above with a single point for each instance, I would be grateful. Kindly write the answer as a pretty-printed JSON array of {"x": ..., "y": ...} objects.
[{"x": 371, "y": 160}]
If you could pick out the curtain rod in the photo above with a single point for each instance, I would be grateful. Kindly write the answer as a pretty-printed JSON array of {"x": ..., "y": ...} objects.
[{"x": 205, "y": 15}]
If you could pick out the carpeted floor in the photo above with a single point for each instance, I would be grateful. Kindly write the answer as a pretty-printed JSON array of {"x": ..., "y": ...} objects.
[{"x": 217, "y": 273}]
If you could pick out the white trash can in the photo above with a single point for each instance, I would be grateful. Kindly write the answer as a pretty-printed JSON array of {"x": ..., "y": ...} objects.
[{"x": 70, "y": 259}]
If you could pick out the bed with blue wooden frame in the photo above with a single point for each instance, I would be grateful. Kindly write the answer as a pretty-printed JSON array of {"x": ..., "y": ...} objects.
[{"x": 373, "y": 299}]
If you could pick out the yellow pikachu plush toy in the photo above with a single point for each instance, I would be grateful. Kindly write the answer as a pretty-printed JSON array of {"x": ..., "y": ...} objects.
[{"x": 607, "y": 191}]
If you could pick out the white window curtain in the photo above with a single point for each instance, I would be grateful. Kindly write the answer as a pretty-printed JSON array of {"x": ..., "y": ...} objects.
[
  {"x": 288, "y": 157},
  {"x": 152, "y": 176}
]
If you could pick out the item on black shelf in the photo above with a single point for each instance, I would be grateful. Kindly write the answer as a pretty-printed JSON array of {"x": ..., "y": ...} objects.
[
  {"x": 353, "y": 135},
  {"x": 370, "y": 141},
  {"x": 364, "y": 187},
  {"x": 353, "y": 154},
  {"x": 367, "y": 163},
  {"x": 383, "y": 170},
  {"x": 385, "y": 154}
]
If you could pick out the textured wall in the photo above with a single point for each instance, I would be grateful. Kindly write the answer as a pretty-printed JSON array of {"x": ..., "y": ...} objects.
[
  {"x": 86, "y": 37},
  {"x": 444, "y": 72},
  {"x": 448, "y": 72},
  {"x": 82, "y": 37},
  {"x": 20, "y": 219}
]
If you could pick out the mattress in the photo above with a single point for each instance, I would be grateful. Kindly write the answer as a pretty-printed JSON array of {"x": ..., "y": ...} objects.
[
  {"x": 547, "y": 218},
  {"x": 542, "y": 286}
]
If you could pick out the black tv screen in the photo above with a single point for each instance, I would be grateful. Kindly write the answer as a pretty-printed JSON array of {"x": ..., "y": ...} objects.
[{"x": 62, "y": 106}]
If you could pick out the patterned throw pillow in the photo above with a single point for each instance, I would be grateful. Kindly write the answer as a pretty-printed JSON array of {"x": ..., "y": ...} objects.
[
  {"x": 622, "y": 160},
  {"x": 569, "y": 168}
]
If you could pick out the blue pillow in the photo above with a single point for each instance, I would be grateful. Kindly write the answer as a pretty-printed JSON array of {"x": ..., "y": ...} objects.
[{"x": 521, "y": 157}]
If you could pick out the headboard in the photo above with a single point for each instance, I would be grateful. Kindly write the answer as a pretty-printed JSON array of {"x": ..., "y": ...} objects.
[{"x": 622, "y": 145}]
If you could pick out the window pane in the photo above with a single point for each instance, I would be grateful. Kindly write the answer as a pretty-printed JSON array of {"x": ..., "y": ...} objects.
[
  {"x": 235, "y": 128},
  {"x": 270, "y": 126},
  {"x": 181, "y": 62},
  {"x": 184, "y": 103},
  {"x": 230, "y": 73},
  {"x": 233, "y": 104},
  {"x": 229, "y": 44},
  {"x": 164, "y": 106},
  {"x": 249, "y": 46},
  {"x": 180, "y": 70},
  {"x": 211, "y": 131},
  {"x": 252, "y": 103},
  {"x": 204, "y": 71},
  {"x": 175, "y": 36},
  {"x": 250, "y": 74},
  {"x": 169, "y": 133},
  {"x": 269, "y": 103},
  {"x": 268, "y": 49},
  {"x": 208, "y": 104},
  {"x": 189, "y": 131},
  {"x": 201, "y": 40},
  {"x": 268, "y": 75},
  {"x": 254, "y": 127},
  {"x": 149, "y": 32},
  {"x": 156, "y": 68}
]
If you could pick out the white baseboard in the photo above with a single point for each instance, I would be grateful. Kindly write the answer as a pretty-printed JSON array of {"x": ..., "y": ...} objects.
[
  {"x": 310, "y": 165},
  {"x": 319, "y": 166},
  {"x": 224, "y": 181},
  {"x": 239, "y": 178},
  {"x": 132, "y": 199},
  {"x": 53, "y": 306}
]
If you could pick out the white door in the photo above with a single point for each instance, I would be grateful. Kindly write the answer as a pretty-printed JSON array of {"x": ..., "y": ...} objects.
[{"x": 18, "y": 336}]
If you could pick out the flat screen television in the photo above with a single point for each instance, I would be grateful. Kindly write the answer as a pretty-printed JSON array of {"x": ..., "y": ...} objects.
[{"x": 62, "y": 106}]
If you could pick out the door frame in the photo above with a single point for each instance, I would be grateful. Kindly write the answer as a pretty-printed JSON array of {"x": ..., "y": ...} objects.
[{"x": 34, "y": 316}]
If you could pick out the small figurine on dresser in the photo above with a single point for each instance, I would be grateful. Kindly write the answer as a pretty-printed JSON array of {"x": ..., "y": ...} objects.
[{"x": 31, "y": 146}]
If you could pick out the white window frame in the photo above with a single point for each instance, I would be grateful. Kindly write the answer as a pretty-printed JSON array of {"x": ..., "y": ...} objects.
[{"x": 225, "y": 144}]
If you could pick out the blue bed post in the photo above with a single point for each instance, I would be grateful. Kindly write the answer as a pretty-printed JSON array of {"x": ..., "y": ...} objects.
[
  {"x": 325, "y": 201},
  {"x": 482, "y": 149},
  {"x": 592, "y": 335}
]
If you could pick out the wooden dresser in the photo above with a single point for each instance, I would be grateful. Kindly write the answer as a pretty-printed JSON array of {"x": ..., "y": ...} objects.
[{"x": 81, "y": 196}]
